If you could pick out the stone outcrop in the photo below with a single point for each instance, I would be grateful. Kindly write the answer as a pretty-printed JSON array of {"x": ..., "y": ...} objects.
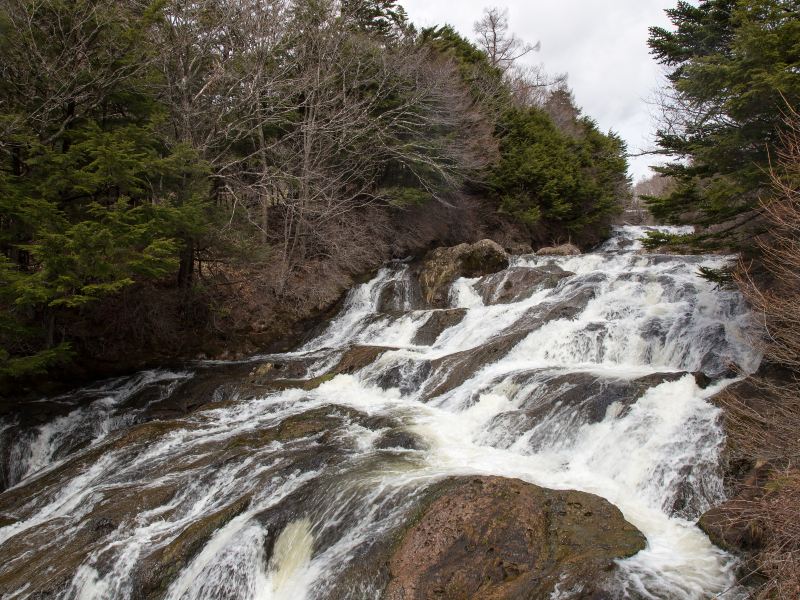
[
  {"x": 562, "y": 250},
  {"x": 460, "y": 366},
  {"x": 495, "y": 539},
  {"x": 272, "y": 376},
  {"x": 518, "y": 283},
  {"x": 443, "y": 266},
  {"x": 436, "y": 324}
]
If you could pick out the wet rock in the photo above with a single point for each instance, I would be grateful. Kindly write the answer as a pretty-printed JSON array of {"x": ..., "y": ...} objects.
[
  {"x": 460, "y": 366},
  {"x": 566, "y": 401},
  {"x": 518, "y": 248},
  {"x": 407, "y": 376},
  {"x": 436, "y": 324},
  {"x": 294, "y": 368},
  {"x": 358, "y": 357},
  {"x": 562, "y": 250},
  {"x": 518, "y": 283},
  {"x": 159, "y": 568},
  {"x": 702, "y": 380},
  {"x": 399, "y": 296},
  {"x": 354, "y": 359},
  {"x": 400, "y": 439},
  {"x": 569, "y": 308},
  {"x": 443, "y": 266},
  {"x": 495, "y": 539},
  {"x": 724, "y": 524},
  {"x": 42, "y": 563},
  {"x": 207, "y": 386}
]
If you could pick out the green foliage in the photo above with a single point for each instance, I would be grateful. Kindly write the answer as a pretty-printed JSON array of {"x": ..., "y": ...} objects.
[
  {"x": 405, "y": 196},
  {"x": 722, "y": 278},
  {"x": 735, "y": 69},
  {"x": 658, "y": 239},
  {"x": 546, "y": 175},
  {"x": 125, "y": 128},
  {"x": 384, "y": 18},
  {"x": 484, "y": 81},
  {"x": 93, "y": 197}
]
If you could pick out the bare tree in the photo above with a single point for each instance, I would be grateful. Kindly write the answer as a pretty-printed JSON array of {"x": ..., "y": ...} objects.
[
  {"x": 529, "y": 84},
  {"x": 504, "y": 49},
  {"x": 305, "y": 118}
]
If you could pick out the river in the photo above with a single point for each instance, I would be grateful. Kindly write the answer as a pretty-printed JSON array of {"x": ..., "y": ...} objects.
[{"x": 585, "y": 379}]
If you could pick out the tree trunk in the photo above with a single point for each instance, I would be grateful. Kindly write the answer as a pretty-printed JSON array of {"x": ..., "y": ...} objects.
[{"x": 186, "y": 269}]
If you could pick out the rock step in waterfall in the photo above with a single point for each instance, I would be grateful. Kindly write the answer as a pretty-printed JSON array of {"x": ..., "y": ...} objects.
[{"x": 473, "y": 426}]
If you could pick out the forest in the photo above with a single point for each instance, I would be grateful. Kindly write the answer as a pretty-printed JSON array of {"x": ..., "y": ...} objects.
[
  {"x": 253, "y": 225},
  {"x": 163, "y": 163}
]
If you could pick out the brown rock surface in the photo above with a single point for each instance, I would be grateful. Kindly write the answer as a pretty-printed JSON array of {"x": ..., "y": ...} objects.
[
  {"x": 492, "y": 538},
  {"x": 443, "y": 266},
  {"x": 437, "y": 323},
  {"x": 562, "y": 250},
  {"x": 517, "y": 283}
]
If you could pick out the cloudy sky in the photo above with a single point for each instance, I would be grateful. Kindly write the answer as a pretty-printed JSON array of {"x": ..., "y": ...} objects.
[{"x": 600, "y": 44}]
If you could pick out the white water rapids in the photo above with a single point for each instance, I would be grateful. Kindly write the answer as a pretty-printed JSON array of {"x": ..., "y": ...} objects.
[{"x": 100, "y": 498}]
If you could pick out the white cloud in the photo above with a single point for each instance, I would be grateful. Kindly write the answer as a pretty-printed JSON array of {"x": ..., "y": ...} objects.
[{"x": 602, "y": 46}]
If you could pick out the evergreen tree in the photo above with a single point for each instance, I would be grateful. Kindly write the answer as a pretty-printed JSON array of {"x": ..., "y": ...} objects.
[
  {"x": 92, "y": 198},
  {"x": 734, "y": 71}
]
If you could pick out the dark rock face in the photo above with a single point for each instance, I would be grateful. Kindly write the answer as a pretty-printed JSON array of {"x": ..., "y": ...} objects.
[
  {"x": 436, "y": 324},
  {"x": 565, "y": 402},
  {"x": 494, "y": 538},
  {"x": 162, "y": 566},
  {"x": 271, "y": 376},
  {"x": 400, "y": 439},
  {"x": 517, "y": 283},
  {"x": 462, "y": 365},
  {"x": 443, "y": 266},
  {"x": 568, "y": 308}
]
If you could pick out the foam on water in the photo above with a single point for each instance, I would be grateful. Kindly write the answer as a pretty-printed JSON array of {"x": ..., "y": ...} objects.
[{"x": 630, "y": 315}]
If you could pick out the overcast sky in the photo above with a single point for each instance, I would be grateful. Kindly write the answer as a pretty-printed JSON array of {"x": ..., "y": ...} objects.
[{"x": 600, "y": 44}]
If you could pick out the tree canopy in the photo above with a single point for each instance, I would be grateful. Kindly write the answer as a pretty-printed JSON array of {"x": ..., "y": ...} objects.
[
  {"x": 145, "y": 141},
  {"x": 734, "y": 71}
]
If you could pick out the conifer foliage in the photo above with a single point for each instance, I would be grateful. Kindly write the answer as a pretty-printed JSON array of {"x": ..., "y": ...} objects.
[
  {"x": 143, "y": 139},
  {"x": 734, "y": 74}
]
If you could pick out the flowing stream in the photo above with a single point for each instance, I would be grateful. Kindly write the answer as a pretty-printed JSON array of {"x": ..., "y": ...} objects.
[{"x": 576, "y": 372}]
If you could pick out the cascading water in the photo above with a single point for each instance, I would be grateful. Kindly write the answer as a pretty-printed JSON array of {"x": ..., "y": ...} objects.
[{"x": 570, "y": 373}]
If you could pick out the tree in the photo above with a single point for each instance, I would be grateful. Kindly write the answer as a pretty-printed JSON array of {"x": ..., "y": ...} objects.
[
  {"x": 504, "y": 49},
  {"x": 89, "y": 188},
  {"x": 733, "y": 71},
  {"x": 566, "y": 183}
]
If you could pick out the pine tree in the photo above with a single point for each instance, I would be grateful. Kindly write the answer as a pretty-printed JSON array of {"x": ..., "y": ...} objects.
[{"x": 734, "y": 71}]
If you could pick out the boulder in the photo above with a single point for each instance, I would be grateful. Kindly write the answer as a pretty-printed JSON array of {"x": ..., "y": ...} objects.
[
  {"x": 519, "y": 248},
  {"x": 562, "y": 250},
  {"x": 400, "y": 439},
  {"x": 436, "y": 324},
  {"x": 456, "y": 368},
  {"x": 518, "y": 283},
  {"x": 495, "y": 539},
  {"x": 268, "y": 376},
  {"x": 443, "y": 266},
  {"x": 574, "y": 398},
  {"x": 568, "y": 308},
  {"x": 160, "y": 567}
]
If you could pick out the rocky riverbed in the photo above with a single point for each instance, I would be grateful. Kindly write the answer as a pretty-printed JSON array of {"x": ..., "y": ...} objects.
[{"x": 477, "y": 425}]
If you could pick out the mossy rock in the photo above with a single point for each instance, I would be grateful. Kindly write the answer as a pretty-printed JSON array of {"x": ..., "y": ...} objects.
[
  {"x": 443, "y": 266},
  {"x": 500, "y": 539},
  {"x": 160, "y": 568}
]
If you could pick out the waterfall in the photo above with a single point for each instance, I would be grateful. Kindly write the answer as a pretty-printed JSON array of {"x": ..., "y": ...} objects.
[{"x": 575, "y": 372}]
